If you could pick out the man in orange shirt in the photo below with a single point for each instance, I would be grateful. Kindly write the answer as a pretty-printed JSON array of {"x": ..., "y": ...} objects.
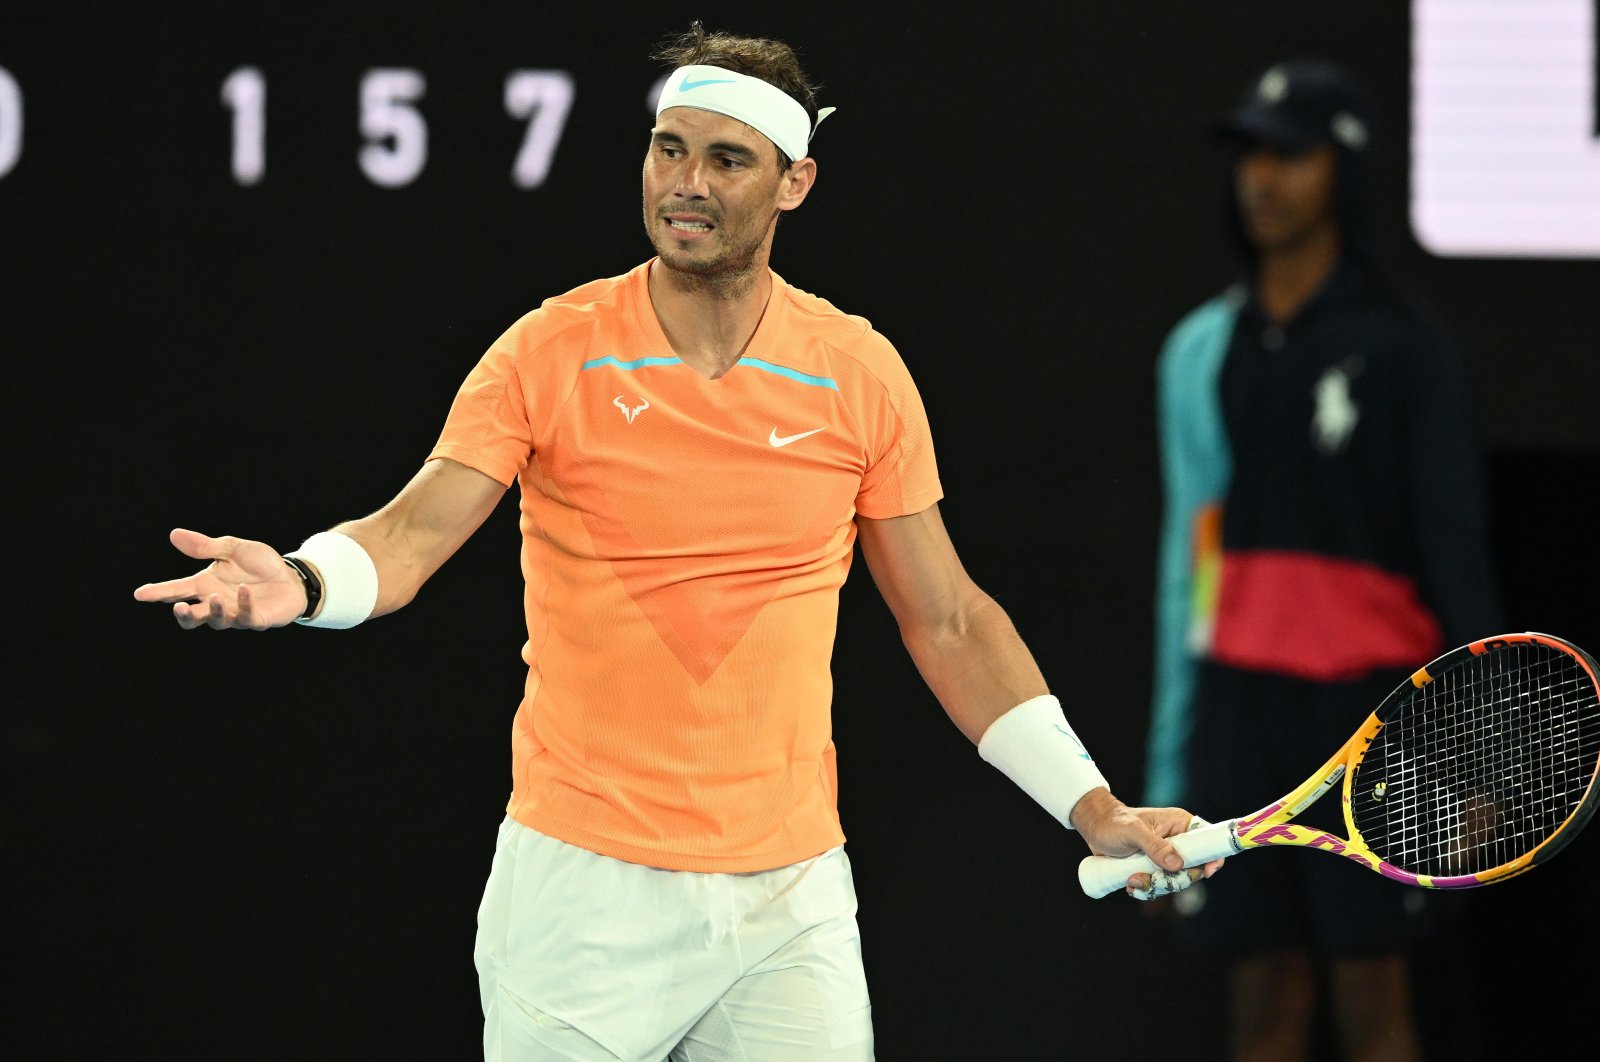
[{"x": 697, "y": 445}]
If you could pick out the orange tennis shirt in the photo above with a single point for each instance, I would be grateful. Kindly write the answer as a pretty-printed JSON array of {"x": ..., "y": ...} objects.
[{"x": 684, "y": 541}]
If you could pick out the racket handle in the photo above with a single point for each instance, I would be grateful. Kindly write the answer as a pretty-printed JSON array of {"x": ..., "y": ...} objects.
[{"x": 1101, "y": 875}]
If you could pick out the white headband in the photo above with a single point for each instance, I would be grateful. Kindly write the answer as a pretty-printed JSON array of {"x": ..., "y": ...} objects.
[{"x": 765, "y": 108}]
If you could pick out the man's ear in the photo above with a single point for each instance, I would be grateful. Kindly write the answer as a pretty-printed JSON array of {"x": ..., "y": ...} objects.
[{"x": 796, "y": 183}]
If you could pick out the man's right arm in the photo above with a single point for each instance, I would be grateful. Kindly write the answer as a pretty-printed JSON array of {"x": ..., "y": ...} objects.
[{"x": 412, "y": 536}]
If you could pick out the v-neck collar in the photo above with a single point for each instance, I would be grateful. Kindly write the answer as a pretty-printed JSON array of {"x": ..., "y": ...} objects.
[{"x": 649, "y": 324}]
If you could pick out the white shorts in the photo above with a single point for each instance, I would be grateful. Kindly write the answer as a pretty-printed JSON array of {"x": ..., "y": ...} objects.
[{"x": 581, "y": 956}]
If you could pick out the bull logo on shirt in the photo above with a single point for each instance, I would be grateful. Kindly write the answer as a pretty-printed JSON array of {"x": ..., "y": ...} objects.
[{"x": 630, "y": 411}]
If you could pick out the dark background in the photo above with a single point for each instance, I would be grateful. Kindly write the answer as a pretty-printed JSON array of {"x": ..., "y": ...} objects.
[{"x": 222, "y": 845}]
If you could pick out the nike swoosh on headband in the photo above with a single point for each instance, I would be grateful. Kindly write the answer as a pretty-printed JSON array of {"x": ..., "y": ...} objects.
[{"x": 688, "y": 86}]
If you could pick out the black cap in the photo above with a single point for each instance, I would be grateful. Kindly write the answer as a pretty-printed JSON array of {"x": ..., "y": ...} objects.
[{"x": 1299, "y": 103}]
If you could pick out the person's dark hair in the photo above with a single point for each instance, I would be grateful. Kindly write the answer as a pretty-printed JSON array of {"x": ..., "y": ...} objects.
[{"x": 772, "y": 61}]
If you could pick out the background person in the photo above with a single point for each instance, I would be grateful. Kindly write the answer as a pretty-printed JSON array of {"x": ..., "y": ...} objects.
[{"x": 1324, "y": 534}]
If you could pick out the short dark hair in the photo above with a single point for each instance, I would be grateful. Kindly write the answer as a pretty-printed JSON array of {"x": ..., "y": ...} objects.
[{"x": 770, "y": 60}]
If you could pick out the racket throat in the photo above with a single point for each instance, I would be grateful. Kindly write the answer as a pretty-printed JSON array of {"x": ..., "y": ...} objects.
[{"x": 1327, "y": 783}]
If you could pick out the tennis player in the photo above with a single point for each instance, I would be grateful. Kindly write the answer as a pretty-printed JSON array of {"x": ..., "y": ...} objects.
[{"x": 698, "y": 446}]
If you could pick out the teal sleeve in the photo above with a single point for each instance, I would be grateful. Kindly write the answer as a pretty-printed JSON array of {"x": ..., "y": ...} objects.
[{"x": 1195, "y": 464}]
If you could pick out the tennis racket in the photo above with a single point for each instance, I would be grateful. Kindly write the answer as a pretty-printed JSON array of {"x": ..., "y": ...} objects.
[{"x": 1480, "y": 766}]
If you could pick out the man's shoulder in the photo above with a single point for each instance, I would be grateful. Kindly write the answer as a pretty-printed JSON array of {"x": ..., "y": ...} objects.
[
  {"x": 1226, "y": 302},
  {"x": 812, "y": 321},
  {"x": 820, "y": 317},
  {"x": 595, "y": 295},
  {"x": 590, "y": 305},
  {"x": 1399, "y": 316},
  {"x": 837, "y": 343},
  {"x": 1205, "y": 320}
]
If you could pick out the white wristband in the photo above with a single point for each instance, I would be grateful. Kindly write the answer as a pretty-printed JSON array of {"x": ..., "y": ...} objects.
[
  {"x": 349, "y": 579},
  {"x": 1034, "y": 746}
]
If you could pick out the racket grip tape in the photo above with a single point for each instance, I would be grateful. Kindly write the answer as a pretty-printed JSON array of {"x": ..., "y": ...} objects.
[{"x": 1102, "y": 875}]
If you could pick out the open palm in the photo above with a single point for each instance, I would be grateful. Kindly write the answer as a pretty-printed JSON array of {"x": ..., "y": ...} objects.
[{"x": 247, "y": 585}]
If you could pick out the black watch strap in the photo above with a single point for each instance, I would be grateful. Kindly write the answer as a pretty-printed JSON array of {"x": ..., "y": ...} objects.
[{"x": 313, "y": 585}]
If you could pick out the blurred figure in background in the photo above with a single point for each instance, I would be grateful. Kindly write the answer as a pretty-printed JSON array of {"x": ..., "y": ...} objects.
[{"x": 1324, "y": 533}]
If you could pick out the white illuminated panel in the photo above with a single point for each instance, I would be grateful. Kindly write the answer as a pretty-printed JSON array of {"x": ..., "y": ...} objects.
[{"x": 1505, "y": 158}]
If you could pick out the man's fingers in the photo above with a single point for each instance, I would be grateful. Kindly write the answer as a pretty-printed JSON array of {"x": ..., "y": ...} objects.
[
  {"x": 1161, "y": 851},
  {"x": 217, "y": 613},
  {"x": 194, "y": 544},
  {"x": 1167, "y": 856},
  {"x": 246, "y": 615},
  {"x": 1162, "y": 883},
  {"x": 213, "y": 612},
  {"x": 198, "y": 546},
  {"x": 172, "y": 590}
]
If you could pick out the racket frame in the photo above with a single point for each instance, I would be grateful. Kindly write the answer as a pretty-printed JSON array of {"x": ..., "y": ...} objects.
[{"x": 1274, "y": 825}]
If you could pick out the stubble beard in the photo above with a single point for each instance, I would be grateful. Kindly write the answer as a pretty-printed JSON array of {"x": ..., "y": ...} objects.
[{"x": 728, "y": 272}]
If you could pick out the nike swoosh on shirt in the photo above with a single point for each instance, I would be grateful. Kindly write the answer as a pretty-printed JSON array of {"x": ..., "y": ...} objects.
[
  {"x": 688, "y": 86},
  {"x": 784, "y": 440}
]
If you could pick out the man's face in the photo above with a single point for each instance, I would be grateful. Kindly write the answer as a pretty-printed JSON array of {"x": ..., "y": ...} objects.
[
  {"x": 712, "y": 192},
  {"x": 1286, "y": 198}
]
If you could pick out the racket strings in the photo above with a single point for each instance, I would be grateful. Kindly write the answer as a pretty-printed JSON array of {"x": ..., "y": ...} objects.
[{"x": 1482, "y": 765}]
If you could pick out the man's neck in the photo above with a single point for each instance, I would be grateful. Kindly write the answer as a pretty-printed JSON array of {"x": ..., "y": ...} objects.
[
  {"x": 1288, "y": 277},
  {"x": 709, "y": 320}
]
